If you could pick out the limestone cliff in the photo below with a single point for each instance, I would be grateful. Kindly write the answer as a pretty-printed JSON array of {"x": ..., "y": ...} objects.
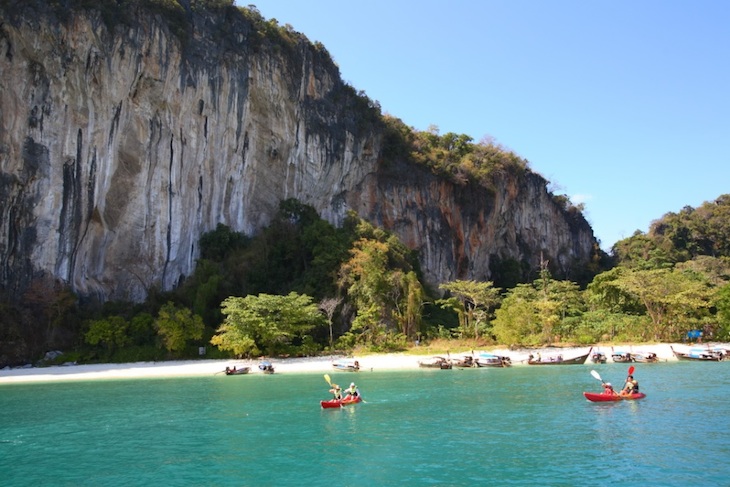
[{"x": 122, "y": 142}]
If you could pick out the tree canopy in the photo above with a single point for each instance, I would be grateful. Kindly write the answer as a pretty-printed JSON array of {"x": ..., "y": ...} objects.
[{"x": 266, "y": 322}]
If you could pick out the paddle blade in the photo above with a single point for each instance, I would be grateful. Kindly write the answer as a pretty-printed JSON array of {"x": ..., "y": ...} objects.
[
  {"x": 631, "y": 370},
  {"x": 327, "y": 378},
  {"x": 595, "y": 374}
]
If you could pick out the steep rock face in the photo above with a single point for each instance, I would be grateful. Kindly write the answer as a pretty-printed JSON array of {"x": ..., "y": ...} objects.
[
  {"x": 459, "y": 229},
  {"x": 120, "y": 146}
]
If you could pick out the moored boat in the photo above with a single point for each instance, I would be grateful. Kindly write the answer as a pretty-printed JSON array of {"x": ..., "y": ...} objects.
[
  {"x": 237, "y": 371},
  {"x": 558, "y": 359},
  {"x": 338, "y": 403},
  {"x": 598, "y": 357},
  {"x": 465, "y": 361},
  {"x": 644, "y": 357},
  {"x": 621, "y": 357},
  {"x": 702, "y": 354},
  {"x": 266, "y": 367},
  {"x": 603, "y": 397},
  {"x": 491, "y": 360},
  {"x": 435, "y": 363},
  {"x": 346, "y": 365}
]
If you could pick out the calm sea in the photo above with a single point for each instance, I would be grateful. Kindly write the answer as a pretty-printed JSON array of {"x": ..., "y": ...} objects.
[{"x": 519, "y": 426}]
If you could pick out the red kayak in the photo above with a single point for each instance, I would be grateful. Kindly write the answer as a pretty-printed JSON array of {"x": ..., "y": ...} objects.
[
  {"x": 338, "y": 403},
  {"x": 601, "y": 397}
]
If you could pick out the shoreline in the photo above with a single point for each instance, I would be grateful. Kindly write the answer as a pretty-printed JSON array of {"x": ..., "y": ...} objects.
[{"x": 323, "y": 364}]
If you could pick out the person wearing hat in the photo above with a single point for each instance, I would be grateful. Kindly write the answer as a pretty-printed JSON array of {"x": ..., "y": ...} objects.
[
  {"x": 608, "y": 389},
  {"x": 336, "y": 391},
  {"x": 352, "y": 390},
  {"x": 631, "y": 386}
]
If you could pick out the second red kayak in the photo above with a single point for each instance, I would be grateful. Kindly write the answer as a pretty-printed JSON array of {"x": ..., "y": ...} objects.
[
  {"x": 600, "y": 397},
  {"x": 338, "y": 403}
]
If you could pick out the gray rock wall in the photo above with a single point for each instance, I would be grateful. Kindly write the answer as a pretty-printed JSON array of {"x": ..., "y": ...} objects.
[{"x": 119, "y": 148}]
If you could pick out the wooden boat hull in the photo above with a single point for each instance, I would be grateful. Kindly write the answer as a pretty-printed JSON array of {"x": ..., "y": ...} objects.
[
  {"x": 346, "y": 366},
  {"x": 338, "y": 403},
  {"x": 266, "y": 367},
  {"x": 704, "y": 357},
  {"x": 571, "y": 361},
  {"x": 442, "y": 366},
  {"x": 600, "y": 397},
  {"x": 645, "y": 358},
  {"x": 483, "y": 365},
  {"x": 435, "y": 363},
  {"x": 621, "y": 358},
  {"x": 463, "y": 363},
  {"x": 493, "y": 361},
  {"x": 598, "y": 358},
  {"x": 241, "y": 371}
]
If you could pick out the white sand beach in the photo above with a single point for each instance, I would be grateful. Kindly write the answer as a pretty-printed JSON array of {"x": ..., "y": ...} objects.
[{"x": 379, "y": 362}]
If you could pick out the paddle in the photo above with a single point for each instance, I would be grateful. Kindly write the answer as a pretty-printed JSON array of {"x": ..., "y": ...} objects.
[
  {"x": 327, "y": 378},
  {"x": 595, "y": 375},
  {"x": 631, "y": 370}
]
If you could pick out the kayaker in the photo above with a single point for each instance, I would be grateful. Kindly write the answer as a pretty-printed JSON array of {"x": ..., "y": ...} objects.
[
  {"x": 336, "y": 391},
  {"x": 352, "y": 390},
  {"x": 631, "y": 386},
  {"x": 608, "y": 389}
]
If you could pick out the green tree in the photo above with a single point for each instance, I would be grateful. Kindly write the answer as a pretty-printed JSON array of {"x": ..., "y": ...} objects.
[
  {"x": 478, "y": 300},
  {"x": 517, "y": 321},
  {"x": 110, "y": 332},
  {"x": 604, "y": 293},
  {"x": 176, "y": 326},
  {"x": 381, "y": 280},
  {"x": 409, "y": 302},
  {"x": 674, "y": 300},
  {"x": 220, "y": 242},
  {"x": 722, "y": 304},
  {"x": 268, "y": 322},
  {"x": 365, "y": 278}
]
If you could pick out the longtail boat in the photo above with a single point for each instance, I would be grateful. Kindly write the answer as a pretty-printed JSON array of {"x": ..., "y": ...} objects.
[{"x": 558, "y": 360}]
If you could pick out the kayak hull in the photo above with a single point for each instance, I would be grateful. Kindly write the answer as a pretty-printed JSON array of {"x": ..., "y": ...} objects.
[
  {"x": 338, "y": 403},
  {"x": 600, "y": 397}
]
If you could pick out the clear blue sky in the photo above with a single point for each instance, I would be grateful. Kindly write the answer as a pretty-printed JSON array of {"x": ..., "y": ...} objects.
[{"x": 623, "y": 105}]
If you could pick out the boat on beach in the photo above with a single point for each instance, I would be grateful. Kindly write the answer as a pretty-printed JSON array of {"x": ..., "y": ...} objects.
[
  {"x": 266, "y": 367},
  {"x": 464, "y": 361},
  {"x": 346, "y": 365},
  {"x": 620, "y": 357},
  {"x": 237, "y": 370},
  {"x": 436, "y": 362},
  {"x": 598, "y": 357},
  {"x": 338, "y": 403},
  {"x": 644, "y": 357},
  {"x": 701, "y": 354},
  {"x": 492, "y": 360},
  {"x": 558, "y": 359}
]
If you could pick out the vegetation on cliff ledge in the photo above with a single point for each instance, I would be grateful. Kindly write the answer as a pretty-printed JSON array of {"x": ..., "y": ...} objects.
[
  {"x": 257, "y": 294},
  {"x": 252, "y": 295}
]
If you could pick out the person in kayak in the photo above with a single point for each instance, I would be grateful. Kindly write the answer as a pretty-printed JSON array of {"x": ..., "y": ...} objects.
[
  {"x": 631, "y": 386},
  {"x": 608, "y": 389},
  {"x": 336, "y": 391},
  {"x": 352, "y": 390}
]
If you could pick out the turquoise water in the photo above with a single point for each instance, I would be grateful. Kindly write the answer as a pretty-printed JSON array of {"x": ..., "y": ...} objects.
[{"x": 518, "y": 426}]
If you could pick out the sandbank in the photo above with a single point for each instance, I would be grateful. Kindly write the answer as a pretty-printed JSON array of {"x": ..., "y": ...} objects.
[{"x": 323, "y": 364}]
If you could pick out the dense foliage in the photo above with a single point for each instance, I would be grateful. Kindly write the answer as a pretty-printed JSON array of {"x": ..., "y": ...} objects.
[
  {"x": 678, "y": 237},
  {"x": 301, "y": 286}
]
